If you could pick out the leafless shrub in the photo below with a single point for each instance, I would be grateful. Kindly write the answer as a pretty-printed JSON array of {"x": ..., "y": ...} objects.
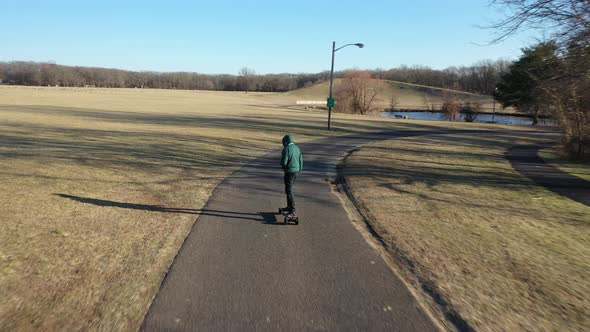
[
  {"x": 393, "y": 103},
  {"x": 470, "y": 111},
  {"x": 450, "y": 107}
]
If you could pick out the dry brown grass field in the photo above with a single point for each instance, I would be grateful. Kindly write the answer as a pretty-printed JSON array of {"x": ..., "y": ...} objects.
[
  {"x": 101, "y": 186},
  {"x": 94, "y": 183},
  {"x": 506, "y": 254}
]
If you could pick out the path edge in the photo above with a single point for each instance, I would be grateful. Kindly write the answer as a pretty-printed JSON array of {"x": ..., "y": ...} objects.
[
  {"x": 432, "y": 302},
  {"x": 195, "y": 222}
]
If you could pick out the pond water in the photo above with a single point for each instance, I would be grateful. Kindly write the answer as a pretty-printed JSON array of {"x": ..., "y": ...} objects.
[{"x": 438, "y": 116}]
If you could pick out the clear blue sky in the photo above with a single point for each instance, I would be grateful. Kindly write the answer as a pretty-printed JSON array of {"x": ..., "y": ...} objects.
[{"x": 272, "y": 36}]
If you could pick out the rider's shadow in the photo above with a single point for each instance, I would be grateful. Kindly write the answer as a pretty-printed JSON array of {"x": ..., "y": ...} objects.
[
  {"x": 267, "y": 218},
  {"x": 270, "y": 218}
]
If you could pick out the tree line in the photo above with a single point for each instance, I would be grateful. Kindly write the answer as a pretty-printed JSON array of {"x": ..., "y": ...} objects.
[
  {"x": 479, "y": 78},
  {"x": 50, "y": 74}
]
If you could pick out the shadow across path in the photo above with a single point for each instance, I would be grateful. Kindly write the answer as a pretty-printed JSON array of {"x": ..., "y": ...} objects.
[{"x": 268, "y": 218}]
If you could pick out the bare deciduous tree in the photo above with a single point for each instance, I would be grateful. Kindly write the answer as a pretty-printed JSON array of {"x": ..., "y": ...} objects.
[
  {"x": 567, "y": 18},
  {"x": 246, "y": 78},
  {"x": 568, "y": 99},
  {"x": 357, "y": 93},
  {"x": 393, "y": 102},
  {"x": 450, "y": 107}
]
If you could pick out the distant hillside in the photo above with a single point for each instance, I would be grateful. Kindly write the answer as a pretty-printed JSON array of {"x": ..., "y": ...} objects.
[{"x": 410, "y": 96}]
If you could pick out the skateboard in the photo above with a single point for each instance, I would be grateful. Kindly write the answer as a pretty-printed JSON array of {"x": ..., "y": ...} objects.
[{"x": 289, "y": 219}]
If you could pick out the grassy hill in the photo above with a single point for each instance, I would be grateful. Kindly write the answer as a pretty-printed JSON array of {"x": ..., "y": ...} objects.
[{"x": 410, "y": 96}]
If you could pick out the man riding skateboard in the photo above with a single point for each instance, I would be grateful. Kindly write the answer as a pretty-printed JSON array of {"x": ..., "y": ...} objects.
[{"x": 292, "y": 164}]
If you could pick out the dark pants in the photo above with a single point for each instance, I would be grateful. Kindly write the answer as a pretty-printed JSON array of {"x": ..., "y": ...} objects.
[{"x": 289, "y": 186}]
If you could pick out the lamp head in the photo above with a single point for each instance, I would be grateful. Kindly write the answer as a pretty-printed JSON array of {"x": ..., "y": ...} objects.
[{"x": 360, "y": 45}]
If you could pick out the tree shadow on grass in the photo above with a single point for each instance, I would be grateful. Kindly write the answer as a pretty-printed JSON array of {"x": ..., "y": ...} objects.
[
  {"x": 474, "y": 166},
  {"x": 104, "y": 147},
  {"x": 267, "y": 218},
  {"x": 267, "y": 123}
]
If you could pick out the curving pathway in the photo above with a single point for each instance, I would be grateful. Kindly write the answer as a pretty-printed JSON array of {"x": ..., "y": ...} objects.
[
  {"x": 241, "y": 269},
  {"x": 525, "y": 160}
]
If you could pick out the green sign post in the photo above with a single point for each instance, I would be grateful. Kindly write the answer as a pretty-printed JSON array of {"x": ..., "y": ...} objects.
[{"x": 330, "y": 102}]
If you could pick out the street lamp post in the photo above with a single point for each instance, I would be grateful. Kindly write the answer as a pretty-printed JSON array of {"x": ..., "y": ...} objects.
[
  {"x": 494, "y": 110},
  {"x": 330, "y": 98},
  {"x": 494, "y": 106}
]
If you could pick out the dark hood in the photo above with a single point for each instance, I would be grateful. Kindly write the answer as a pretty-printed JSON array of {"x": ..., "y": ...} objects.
[{"x": 288, "y": 139}]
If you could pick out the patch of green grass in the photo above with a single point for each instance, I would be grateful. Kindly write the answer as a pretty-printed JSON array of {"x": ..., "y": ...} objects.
[
  {"x": 553, "y": 156},
  {"x": 56, "y": 232}
]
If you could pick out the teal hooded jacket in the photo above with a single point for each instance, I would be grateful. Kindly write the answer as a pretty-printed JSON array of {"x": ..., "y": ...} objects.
[{"x": 291, "y": 158}]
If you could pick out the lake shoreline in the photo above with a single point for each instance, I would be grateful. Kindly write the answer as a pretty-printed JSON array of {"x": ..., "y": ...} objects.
[
  {"x": 522, "y": 115},
  {"x": 481, "y": 117}
]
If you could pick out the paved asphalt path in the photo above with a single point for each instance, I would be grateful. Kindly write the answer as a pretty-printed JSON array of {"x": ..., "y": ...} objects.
[
  {"x": 241, "y": 269},
  {"x": 525, "y": 160}
]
